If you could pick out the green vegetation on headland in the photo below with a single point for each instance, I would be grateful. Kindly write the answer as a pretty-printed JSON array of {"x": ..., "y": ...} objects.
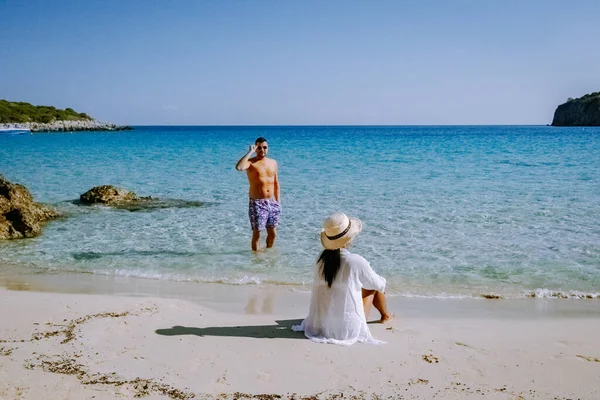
[
  {"x": 21, "y": 115},
  {"x": 584, "y": 111},
  {"x": 20, "y": 112}
]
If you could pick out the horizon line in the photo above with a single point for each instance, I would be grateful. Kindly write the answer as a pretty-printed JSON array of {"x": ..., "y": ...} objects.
[{"x": 326, "y": 125}]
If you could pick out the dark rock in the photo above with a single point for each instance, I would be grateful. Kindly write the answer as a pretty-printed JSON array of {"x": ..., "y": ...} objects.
[
  {"x": 107, "y": 194},
  {"x": 584, "y": 111},
  {"x": 20, "y": 216},
  {"x": 492, "y": 296}
]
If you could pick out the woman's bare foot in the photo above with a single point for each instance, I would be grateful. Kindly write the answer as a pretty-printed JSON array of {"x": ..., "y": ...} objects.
[{"x": 386, "y": 317}]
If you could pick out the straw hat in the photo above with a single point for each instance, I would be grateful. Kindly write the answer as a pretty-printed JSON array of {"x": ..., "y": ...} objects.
[{"x": 338, "y": 230}]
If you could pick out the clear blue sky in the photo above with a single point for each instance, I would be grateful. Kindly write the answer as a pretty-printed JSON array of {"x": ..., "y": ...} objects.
[{"x": 291, "y": 62}]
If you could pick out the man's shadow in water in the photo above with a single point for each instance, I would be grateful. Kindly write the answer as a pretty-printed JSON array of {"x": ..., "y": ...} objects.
[{"x": 283, "y": 330}]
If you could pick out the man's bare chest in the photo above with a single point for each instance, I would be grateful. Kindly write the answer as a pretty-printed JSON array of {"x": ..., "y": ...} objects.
[{"x": 262, "y": 170}]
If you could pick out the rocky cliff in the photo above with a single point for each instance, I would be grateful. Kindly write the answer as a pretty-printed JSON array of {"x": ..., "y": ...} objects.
[
  {"x": 20, "y": 216},
  {"x": 584, "y": 111}
]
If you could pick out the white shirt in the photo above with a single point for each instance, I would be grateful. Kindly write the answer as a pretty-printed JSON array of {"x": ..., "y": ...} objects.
[{"x": 336, "y": 313}]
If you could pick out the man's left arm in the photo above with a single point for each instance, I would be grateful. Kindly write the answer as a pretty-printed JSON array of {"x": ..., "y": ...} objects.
[{"x": 276, "y": 183}]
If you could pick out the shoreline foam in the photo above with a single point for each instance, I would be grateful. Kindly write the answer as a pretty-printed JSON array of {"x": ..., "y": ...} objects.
[
  {"x": 228, "y": 298},
  {"x": 45, "y": 278}
]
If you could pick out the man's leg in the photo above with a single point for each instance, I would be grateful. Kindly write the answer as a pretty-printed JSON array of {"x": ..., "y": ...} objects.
[
  {"x": 255, "y": 239},
  {"x": 257, "y": 221},
  {"x": 271, "y": 235},
  {"x": 272, "y": 222}
]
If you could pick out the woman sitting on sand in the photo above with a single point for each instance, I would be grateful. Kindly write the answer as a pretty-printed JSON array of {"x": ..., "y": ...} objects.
[{"x": 341, "y": 280}]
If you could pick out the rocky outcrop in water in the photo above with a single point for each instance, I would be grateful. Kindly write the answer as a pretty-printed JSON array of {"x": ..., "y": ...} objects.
[
  {"x": 107, "y": 194},
  {"x": 584, "y": 111},
  {"x": 66, "y": 126},
  {"x": 20, "y": 216},
  {"x": 123, "y": 199}
]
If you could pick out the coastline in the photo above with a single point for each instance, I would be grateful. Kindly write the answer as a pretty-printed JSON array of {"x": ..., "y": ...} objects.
[
  {"x": 231, "y": 298},
  {"x": 66, "y": 126},
  {"x": 125, "y": 337}
]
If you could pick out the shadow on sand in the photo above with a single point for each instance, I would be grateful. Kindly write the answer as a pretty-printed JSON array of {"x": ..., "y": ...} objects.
[{"x": 283, "y": 330}]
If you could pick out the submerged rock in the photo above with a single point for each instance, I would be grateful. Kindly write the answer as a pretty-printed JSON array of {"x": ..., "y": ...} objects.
[
  {"x": 20, "y": 216},
  {"x": 149, "y": 204},
  {"x": 584, "y": 111},
  {"x": 126, "y": 200}
]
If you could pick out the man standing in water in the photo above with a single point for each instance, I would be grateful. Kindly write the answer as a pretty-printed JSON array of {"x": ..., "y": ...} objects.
[{"x": 264, "y": 208}]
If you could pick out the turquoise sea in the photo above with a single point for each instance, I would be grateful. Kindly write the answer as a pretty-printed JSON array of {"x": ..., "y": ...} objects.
[{"x": 448, "y": 211}]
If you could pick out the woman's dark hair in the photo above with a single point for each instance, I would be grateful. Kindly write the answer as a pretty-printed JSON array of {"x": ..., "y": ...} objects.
[{"x": 330, "y": 264}]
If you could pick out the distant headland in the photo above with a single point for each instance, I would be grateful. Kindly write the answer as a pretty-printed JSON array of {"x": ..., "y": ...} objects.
[
  {"x": 20, "y": 115},
  {"x": 584, "y": 111}
]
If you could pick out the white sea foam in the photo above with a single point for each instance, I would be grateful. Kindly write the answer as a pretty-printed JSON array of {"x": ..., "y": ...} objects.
[
  {"x": 571, "y": 294},
  {"x": 245, "y": 280},
  {"x": 442, "y": 295}
]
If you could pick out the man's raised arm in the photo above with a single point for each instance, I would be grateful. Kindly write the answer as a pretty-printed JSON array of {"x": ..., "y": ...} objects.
[{"x": 244, "y": 164}]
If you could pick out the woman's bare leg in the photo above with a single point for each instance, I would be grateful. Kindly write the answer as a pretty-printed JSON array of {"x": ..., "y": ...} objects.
[
  {"x": 376, "y": 299},
  {"x": 367, "y": 297},
  {"x": 381, "y": 305}
]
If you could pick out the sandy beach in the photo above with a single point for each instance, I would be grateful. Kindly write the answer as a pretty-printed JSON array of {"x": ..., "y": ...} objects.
[{"x": 189, "y": 340}]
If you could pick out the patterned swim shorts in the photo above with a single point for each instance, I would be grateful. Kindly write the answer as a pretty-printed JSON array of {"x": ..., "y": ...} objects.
[{"x": 264, "y": 213}]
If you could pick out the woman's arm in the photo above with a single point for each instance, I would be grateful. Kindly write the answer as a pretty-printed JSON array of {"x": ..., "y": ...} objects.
[{"x": 368, "y": 278}]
